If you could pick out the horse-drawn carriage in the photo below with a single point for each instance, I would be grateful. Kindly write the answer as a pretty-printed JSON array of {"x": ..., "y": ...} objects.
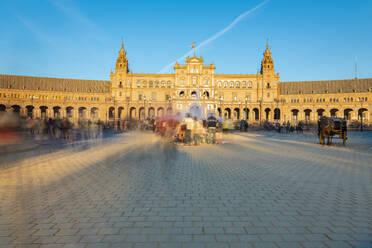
[{"x": 330, "y": 127}]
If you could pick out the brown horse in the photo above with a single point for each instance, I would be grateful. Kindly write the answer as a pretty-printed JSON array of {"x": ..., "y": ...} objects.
[{"x": 325, "y": 130}]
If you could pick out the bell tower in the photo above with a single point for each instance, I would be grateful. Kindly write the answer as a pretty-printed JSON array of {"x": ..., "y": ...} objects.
[
  {"x": 120, "y": 78},
  {"x": 269, "y": 81},
  {"x": 122, "y": 61},
  {"x": 267, "y": 63}
]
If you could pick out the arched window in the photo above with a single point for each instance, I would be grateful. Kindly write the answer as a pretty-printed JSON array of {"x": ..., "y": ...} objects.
[
  {"x": 206, "y": 94},
  {"x": 250, "y": 84},
  {"x": 194, "y": 81},
  {"x": 120, "y": 85}
]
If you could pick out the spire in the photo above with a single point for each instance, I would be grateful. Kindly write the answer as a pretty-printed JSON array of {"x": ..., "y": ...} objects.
[
  {"x": 267, "y": 62},
  {"x": 122, "y": 50},
  {"x": 122, "y": 61}
]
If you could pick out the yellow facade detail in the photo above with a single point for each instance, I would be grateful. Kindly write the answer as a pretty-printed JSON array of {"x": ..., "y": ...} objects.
[{"x": 256, "y": 97}]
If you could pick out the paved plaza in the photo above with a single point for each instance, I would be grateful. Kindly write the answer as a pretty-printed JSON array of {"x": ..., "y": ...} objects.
[{"x": 137, "y": 190}]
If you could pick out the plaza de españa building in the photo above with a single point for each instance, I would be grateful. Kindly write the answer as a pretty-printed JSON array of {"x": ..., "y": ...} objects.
[{"x": 255, "y": 97}]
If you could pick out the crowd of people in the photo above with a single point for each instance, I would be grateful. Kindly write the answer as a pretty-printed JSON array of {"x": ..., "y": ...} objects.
[
  {"x": 188, "y": 129},
  {"x": 191, "y": 130},
  {"x": 285, "y": 127}
]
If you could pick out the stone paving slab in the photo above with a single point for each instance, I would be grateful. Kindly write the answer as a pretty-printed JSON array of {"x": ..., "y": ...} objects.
[{"x": 136, "y": 190}]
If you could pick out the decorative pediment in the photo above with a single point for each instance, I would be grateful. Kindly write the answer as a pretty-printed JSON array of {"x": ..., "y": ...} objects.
[{"x": 194, "y": 60}]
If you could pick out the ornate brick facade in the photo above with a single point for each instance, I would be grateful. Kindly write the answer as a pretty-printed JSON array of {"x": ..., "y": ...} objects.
[{"x": 255, "y": 97}]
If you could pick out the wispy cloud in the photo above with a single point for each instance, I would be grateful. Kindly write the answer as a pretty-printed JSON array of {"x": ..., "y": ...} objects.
[
  {"x": 36, "y": 31},
  {"x": 75, "y": 14},
  {"x": 217, "y": 35}
]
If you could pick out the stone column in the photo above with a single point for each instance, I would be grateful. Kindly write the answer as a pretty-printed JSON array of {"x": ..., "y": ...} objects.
[
  {"x": 37, "y": 112},
  {"x": 87, "y": 113},
  {"x": 75, "y": 114},
  {"x": 48, "y": 112},
  {"x": 22, "y": 110}
]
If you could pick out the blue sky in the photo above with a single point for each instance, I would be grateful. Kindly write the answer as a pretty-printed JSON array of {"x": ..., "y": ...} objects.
[{"x": 310, "y": 40}]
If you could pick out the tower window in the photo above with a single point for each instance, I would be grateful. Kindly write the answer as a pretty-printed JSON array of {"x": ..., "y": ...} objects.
[{"x": 120, "y": 85}]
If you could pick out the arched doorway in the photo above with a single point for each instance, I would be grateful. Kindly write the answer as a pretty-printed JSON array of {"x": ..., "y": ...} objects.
[
  {"x": 267, "y": 113},
  {"x": 132, "y": 113},
  {"x": 362, "y": 114},
  {"x": 294, "y": 114},
  {"x": 307, "y": 115},
  {"x": 277, "y": 114},
  {"x": 206, "y": 94},
  {"x": 169, "y": 111},
  {"x": 334, "y": 112},
  {"x": 141, "y": 113},
  {"x": 151, "y": 113},
  {"x": 320, "y": 112},
  {"x": 2, "y": 107},
  {"x": 246, "y": 113},
  {"x": 193, "y": 94},
  {"x": 43, "y": 111},
  {"x": 16, "y": 109},
  {"x": 94, "y": 113},
  {"x": 256, "y": 114},
  {"x": 56, "y": 112},
  {"x": 82, "y": 112},
  {"x": 219, "y": 112},
  {"x": 30, "y": 111},
  {"x": 227, "y": 113},
  {"x": 236, "y": 113},
  {"x": 160, "y": 112},
  {"x": 347, "y": 114},
  {"x": 69, "y": 112},
  {"x": 120, "y": 113},
  {"x": 111, "y": 113}
]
